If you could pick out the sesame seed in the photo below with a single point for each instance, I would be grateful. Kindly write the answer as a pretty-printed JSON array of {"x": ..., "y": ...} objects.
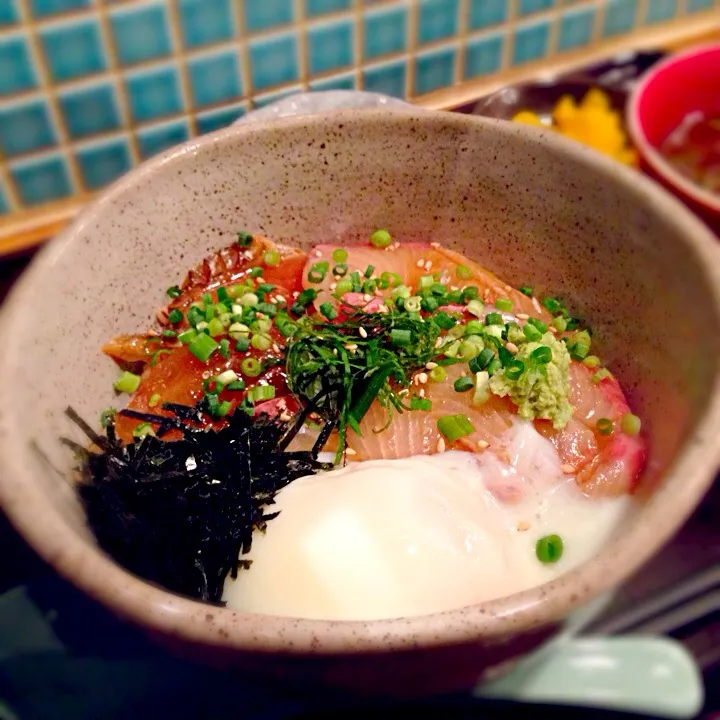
[
  {"x": 421, "y": 392},
  {"x": 434, "y": 245},
  {"x": 363, "y": 332},
  {"x": 318, "y": 253},
  {"x": 378, "y": 292},
  {"x": 275, "y": 348},
  {"x": 523, "y": 525},
  {"x": 335, "y": 351},
  {"x": 285, "y": 416},
  {"x": 454, "y": 287},
  {"x": 568, "y": 469},
  {"x": 486, "y": 294},
  {"x": 352, "y": 347},
  {"x": 296, "y": 294},
  {"x": 428, "y": 265},
  {"x": 438, "y": 343},
  {"x": 511, "y": 347},
  {"x": 422, "y": 378},
  {"x": 333, "y": 286},
  {"x": 274, "y": 300},
  {"x": 350, "y": 451},
  {"x": 536, "y": 305},
  {"x": 522, "y": 316},
  {"x": 282, "y": 404},
  {"x": 431, "y": 365},
  {"x": 483, "y": 444},
  {"x": 247, "y": 255},
  {"x": 367, "y": 297},
  {"x": 553, "y": 329},
  {"x": 281, "y": 299},
  {"x": 420, "y": 263},
  {"x": 403, "y": 392},
  {"x": 440, "y": 445},
  {"x": 260, "y": 316}
]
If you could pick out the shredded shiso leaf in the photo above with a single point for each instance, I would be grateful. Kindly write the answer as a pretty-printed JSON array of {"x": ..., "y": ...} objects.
[{"x": 180, "y": 513}]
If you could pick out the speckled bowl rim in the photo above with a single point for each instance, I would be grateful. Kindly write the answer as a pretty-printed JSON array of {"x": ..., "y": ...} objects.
[
  {"x": 649, "y": 153},
  {"x": 172, "y": 616}
]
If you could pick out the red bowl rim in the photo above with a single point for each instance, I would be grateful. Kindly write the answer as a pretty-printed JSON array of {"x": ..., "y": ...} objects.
[{"x": 635, "y": 128}]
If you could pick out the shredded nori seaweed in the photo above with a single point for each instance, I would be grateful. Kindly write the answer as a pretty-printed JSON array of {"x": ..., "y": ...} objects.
[{"x": 180, "y": 513}]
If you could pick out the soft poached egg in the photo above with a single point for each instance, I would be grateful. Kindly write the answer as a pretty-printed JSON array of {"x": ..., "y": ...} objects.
[{"x": 397, "y": 538}]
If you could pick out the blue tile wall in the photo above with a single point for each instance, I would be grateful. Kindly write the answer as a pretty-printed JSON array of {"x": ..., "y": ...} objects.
[
  {"x": 483, "y": 56},
  {"x": 385, "y": 31},
  {"x": 486, "y": 13},
  {"x": 42, "y": 179},
  {"x": 103, "y": 162},
  {"x": 437, "y": 20},
  {"x": 89, "y": 88},
  {"x": 73, "y": 49},
  {"x": 576, "y": 28},
  {"x": 330, "y": 46},
  {"x": 141, "y": 33},
  {"x": 17, "y": 70}
]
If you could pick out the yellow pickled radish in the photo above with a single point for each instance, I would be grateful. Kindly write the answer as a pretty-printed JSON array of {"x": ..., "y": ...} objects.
[{"x": 527, "y": 117}]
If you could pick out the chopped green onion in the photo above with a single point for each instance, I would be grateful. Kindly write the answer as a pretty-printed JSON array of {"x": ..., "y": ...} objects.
[
  {"x": 128, "y": 382},
  {"x": 244, "y": 239},
  {"x": 157, "y": 354},
  {"x": 476, "y": 308},
  {"x": 526, "y": 290},
  {"x": 514, "y": 369},
  {"x": 578, "y": 350},
  {"x": 174, "y": 292},
  {"x": 504, "y": 305},
  {"x": 463, "y": 384},
  {"x": 591, "y": 361},
  {"x": 256, "y": 272},
  {"x": 412, "y": 304},
  {"x": 429, "y": 304},
  {"x": 369, "y": 270},
  {"x": 339, "y": 255},
  {"x": 604, "y": 426},
  {"x": 454, "y": 297},
  {"x": 226, "y": 377},
  {"x": 426, "y": 282},
  {"x": 166, "y": 333},
  {"x": 154, "y": 400},
  {"x": 463, "y": 272},
  {"x": 271, "y": 258},
  {"x": 143, "y": 429},
  {"x": 552, "y": 305},
  {"x": 538, "y": 324},
  {"x": 224, "y": 348},
  {"x": 494, "y": 366},
  {"x": 202, "y": 346},
  {"x": 343, "y": 287},
  {"x": 328, "y": 310},
  {"x": 549, "y": 549},
  {"x": 286, "y": 328},
  {"x": 393, "y": 279},
  {"x": 261, "y": 342},
  {"x": 207, "y": 299},
  {"x": 400, "y": 337},
  {"x": 368, "y": 287},
  {"x": 630, "y": 424},
  {"x": 223, "y": 408},
  {"x": 602, "y": 374},
  {"x": 560, "y": 324},
  {"x": 418, "y": 403},
  {"x": 380, "y": 238},
  {"x": 454, "y": 427},
  {"x": 195, "y": 315},
  {"x": 438, "y": 289},
  {"x": 438, "y": 374},
  {"x": 222, "y": 295},
  {"x": 298, "y": 308},
  {"x": 242, "y": 344},
  {"x": 541, "y": 355},
  {"x": 251, "y": 367},
  {"x": 341, "y": 270},
  {"x": 106, "y": 417},
  {"x": 175, "y": 316},
  {"x": 482, "y": 360},
  {"x": 215, "y": 327},
  {"x": 494, "y": 318},
  {"x": 474, "y": 327},
  {"x": 470, "y": 347},
  {"x": 307, "y": 296},
  {"x": 266, "y": 309},
  {"x": 531, "y": 332},
  {"x": 213, "y": 386},
  {"x": 249, "y": 300},
  {"x": 235, "y": 385},
  {"x": 383, "y": 284},
  {"x": 470, "y": 293},
  {"x": 443, "y": 320},
  {"x": 482, "y": 388},
  {"x": 260, "y": 393}
]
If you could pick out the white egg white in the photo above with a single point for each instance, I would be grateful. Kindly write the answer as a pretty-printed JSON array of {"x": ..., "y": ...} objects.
[{"x": 397, "y": 538}]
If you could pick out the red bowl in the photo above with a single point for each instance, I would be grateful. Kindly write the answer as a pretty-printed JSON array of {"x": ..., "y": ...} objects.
[{"x": 670, "y": 90}]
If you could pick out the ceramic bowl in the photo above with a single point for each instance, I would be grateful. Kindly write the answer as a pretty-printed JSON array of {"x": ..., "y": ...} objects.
[
  {"x": 528, "y": 204},
  {"x": 676, "y": 87}
]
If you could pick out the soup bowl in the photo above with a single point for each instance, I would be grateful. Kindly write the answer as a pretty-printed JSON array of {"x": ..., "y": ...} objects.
[{"x": 529, "y": 205}]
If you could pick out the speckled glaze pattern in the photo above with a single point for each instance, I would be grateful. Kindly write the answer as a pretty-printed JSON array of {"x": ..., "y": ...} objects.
[{"x": 531, "y": 206}]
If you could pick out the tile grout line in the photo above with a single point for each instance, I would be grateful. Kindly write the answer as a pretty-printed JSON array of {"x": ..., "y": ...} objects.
[
  {"x": 359, "y": 36},
  {"x": 413, "y": 26},
  {"x": 121, "y": 92},
  {"x": 242, "y": 45},
  {"x": 303, "y": 43},
  {"x": 462, "y": 37},
  {"x": 181, "y": 63},
  {"x": 510, "y": 27},
  {"x": 554, "y": 19},
  {"x": 64, "y": 145}
]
